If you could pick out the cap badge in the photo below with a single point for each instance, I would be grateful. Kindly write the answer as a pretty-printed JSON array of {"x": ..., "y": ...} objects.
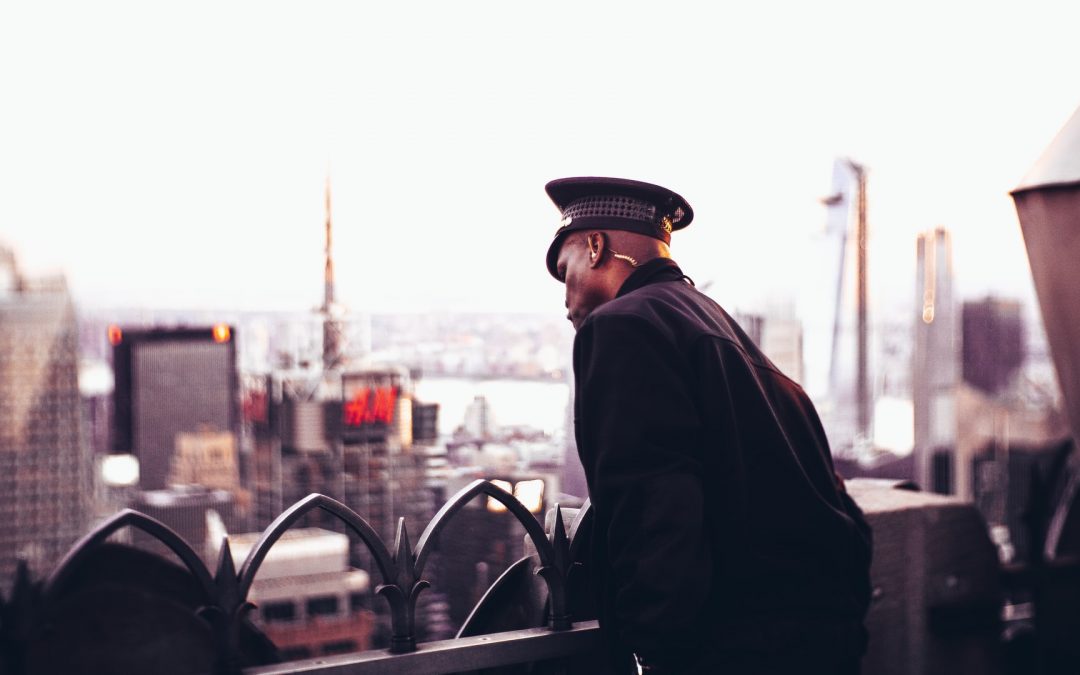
[
  {"x": 665, "y": 224},
  {"x": 565, "y": 222}
]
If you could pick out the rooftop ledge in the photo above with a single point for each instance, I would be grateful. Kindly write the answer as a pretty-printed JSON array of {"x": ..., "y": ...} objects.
[{"x": 450, "y": 656}]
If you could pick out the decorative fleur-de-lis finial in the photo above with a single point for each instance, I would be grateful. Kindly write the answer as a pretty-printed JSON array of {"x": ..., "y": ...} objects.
[
  {"x": 403, "y": 593},
  {"x": 226, "y": 615},
  {"x": 555, "y": 574}
]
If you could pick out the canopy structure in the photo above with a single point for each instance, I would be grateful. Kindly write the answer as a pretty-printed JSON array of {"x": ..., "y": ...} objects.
[{"x": 1048, "y": 204}]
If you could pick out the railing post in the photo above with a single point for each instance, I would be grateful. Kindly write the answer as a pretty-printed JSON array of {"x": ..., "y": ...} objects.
[
  {"x": 556, "y": 575},
  {"x": 402, "y": 594}
]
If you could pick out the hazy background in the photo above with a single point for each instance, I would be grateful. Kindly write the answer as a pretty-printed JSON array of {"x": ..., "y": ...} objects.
[{"x": 174, "y": 155}]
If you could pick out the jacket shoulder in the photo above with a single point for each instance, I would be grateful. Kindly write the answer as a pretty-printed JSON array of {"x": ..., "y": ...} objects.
[
  {"x": 684, "y": 317},
  {"x": 673, "y": 307}
]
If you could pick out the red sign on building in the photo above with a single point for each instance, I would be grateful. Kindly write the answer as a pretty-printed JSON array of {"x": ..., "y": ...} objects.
[{"x": 371, "y": 405}]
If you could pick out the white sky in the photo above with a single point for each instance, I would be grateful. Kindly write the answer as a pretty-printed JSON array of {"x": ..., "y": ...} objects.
[{"x": 173, "y": 155}]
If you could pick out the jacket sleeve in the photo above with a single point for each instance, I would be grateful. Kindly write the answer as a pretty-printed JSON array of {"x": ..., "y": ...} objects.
[{"x": 639, "y": 438}]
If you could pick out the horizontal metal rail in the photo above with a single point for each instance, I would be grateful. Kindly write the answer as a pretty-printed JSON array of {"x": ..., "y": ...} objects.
[
  {"x": 220, "y": 601},
  {"x": 452, "y": 656}
]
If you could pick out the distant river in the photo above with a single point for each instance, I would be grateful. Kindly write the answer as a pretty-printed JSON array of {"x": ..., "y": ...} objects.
[{"x": 541, "y": 405}]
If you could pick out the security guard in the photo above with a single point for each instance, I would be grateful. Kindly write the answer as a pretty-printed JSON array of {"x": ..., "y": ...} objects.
[{"x": 724, "y": 542}]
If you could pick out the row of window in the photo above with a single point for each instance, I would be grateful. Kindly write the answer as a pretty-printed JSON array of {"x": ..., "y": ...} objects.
[{"x": 320, "y": 605}]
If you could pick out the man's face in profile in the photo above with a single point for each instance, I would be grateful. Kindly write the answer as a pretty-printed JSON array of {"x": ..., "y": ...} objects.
[{"x": 582, "y": 277}]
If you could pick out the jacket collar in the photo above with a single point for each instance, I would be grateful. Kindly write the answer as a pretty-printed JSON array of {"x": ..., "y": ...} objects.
[{"x": 655, "y": 271}]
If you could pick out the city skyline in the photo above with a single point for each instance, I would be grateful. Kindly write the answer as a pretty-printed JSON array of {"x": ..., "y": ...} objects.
[
  {"x": 185, "y": 378},
  {"x": 176, "y": 159}
]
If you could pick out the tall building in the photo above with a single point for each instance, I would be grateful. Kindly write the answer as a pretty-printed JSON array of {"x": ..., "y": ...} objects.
[
  {"x": 935, "y": 371},
  {"x": 782, "y": 341},
  {"x": 171, "y": 381},
  {"x": 333, "y": 330},
  {"x": 425, "y": 422},
  {"x": 45, "y": 466},
  {"x": 993, "y": 330},
  {"x": 752, "y": 325},
  {"x": 1008, "y": 418},
  {"x": 324, "y": 426},
  {"x": 350, "y": 435},
  {"x": 778, "y": 333},
  {"x": 835, "y": 316},
  {"x": 384, "y": 478},
  {"x": 479, "y": 419}
]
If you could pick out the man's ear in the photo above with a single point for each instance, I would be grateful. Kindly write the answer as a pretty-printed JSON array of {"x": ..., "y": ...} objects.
[{"x": 595, "y": 242}]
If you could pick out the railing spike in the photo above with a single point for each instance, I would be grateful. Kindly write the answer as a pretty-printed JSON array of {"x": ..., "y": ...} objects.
[
  {"x": 23, "y": 587},
  {"x": 402, "y": 549},
  {"x": 226, "y": 566},
  {"x": 226, "y": 579},
  {"x": 558, "y": 531}
]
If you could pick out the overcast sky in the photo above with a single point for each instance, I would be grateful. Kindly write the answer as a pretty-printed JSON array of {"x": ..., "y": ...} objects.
[{"x": 174, "y": 155}]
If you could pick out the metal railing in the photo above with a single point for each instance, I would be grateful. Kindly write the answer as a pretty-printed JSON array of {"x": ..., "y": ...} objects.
[{"x": 222, "y": 602}]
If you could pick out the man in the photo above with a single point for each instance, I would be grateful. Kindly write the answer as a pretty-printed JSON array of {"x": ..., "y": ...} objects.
[{"x": 724, "y": 543}]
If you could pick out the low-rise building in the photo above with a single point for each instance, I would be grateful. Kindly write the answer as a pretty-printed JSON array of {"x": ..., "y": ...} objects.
[{"x": 308, "y": 600}]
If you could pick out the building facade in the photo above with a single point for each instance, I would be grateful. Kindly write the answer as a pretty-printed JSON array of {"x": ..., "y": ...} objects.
[
  {"x": 935, "y": 368},
  {"x": 994, "y": 342},
  {"x": 349, "y": 434},
  {"x": 45, "y": 466},
  {"x": 171, "y": 381}
]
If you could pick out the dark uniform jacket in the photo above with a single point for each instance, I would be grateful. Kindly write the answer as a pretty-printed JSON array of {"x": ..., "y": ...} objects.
[{"x": 721, "y": 529}]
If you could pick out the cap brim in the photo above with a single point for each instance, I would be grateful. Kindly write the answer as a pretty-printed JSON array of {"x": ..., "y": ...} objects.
[{"x": 553, "y": 253}]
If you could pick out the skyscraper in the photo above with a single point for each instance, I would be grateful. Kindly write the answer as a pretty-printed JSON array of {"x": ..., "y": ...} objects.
[
  {"x": 479, "y": 419},
  {"x": 333, "y": 331},
  {"x": 45, "y": 468},
  {"x": 993, "y": 330},
  {"x": 171, "y": 381},
  {"x": 935, "y": 372},
  {"x": 782, "y": 340},
  {"x": 836, "y": 319},
  {"x": 384, "y": 479},
  {"x": 349, "y": 435}
]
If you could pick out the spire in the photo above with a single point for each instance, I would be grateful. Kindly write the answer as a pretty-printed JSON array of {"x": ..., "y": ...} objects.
[
  {"x": 331, "y": 327},
  {"x": 328, "y": 278}
]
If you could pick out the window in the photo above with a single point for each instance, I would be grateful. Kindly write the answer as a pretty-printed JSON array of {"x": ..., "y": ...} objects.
[
  {"x": 278, "y": 611},
  {"x": 322, "y": 605},
  {"x": 941, "y": 469}
]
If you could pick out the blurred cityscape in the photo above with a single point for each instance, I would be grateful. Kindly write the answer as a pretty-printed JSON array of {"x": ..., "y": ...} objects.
[{"x": 216, "y": 422}]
